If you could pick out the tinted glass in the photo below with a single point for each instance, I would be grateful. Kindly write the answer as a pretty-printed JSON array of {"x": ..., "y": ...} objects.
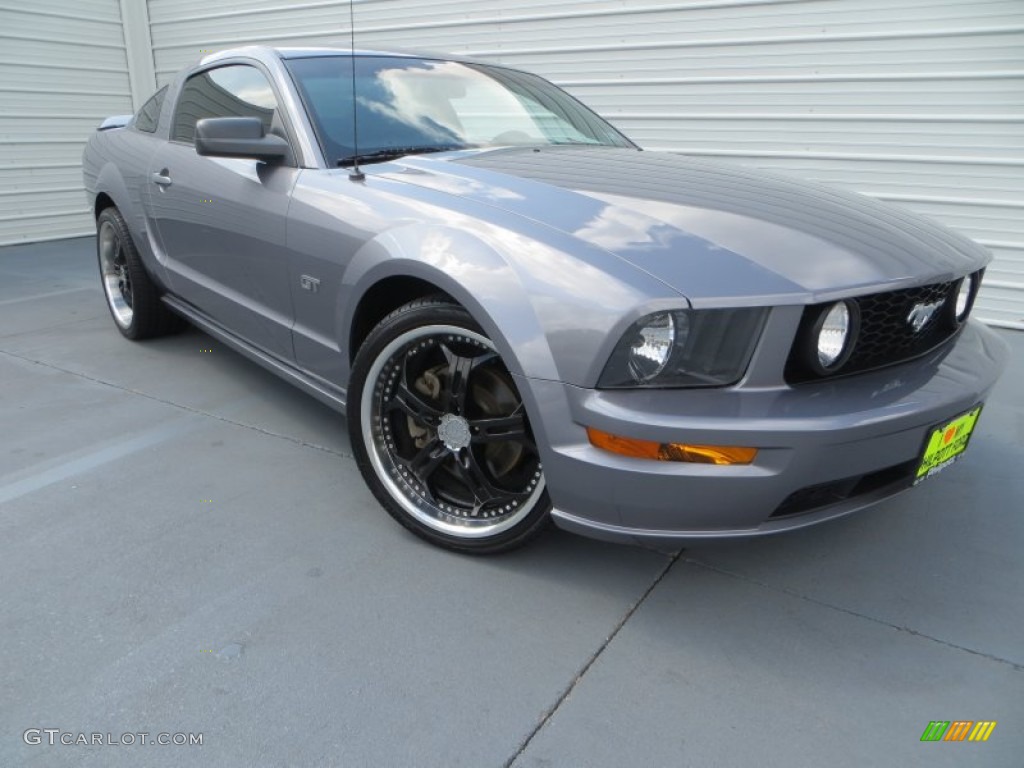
[
  {"x": 416, "y": 103},
  {"x": 147, "y": 118},
  {"x": 233, "y": 91}
]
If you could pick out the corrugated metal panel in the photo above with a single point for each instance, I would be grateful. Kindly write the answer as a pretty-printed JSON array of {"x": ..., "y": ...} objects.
[
  {"x": 918, "y": 102},
  {"x": 62, "y": 69}
]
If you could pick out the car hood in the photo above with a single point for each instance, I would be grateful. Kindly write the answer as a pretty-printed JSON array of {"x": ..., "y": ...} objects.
[{"x": 718, "y": 234}]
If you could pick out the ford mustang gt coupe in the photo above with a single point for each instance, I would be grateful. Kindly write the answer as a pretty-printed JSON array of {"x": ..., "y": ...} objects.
[{"x": 526, "y": 317}]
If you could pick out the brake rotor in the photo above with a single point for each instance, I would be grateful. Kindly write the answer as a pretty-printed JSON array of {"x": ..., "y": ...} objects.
[{"x": 495, "y": 396}]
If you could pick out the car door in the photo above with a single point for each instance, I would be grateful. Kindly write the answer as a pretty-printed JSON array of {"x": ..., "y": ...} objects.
[{"x": 221, "y": 221}]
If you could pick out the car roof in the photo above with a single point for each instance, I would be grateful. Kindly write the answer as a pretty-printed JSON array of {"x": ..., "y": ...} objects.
[{"x": 304, "y": 52}]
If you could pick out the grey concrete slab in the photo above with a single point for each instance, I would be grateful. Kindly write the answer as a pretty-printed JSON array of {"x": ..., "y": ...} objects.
[
  {"x": 68, "y": 405},
  {"x": 360, "y": 646},
  {"x": 186, "y": 545},
  {"x": 47, "y": 268},
  {"x": 943, "y": 559},
  {"x": 717, "y": 671},
  {"x": 56, "y": 309},
  {"x": 73, "y": 332},
  {"x": 189, "y": 369}
]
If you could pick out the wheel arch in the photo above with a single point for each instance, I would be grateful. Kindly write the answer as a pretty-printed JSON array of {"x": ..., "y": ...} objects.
[
  {"x": 381, "y": 299},
  {"x": 415, "y": 261},
  {"x": 111, "y": 191},
  {"x": 103, "y": 201}
]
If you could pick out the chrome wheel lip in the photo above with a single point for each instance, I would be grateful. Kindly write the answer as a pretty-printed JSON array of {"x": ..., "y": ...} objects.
[
  {"x": 412, "y": 503},
  {"x": 114, "y": 274}
]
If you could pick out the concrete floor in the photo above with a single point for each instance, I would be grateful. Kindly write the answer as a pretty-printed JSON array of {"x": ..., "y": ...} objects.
[{"x": 186, "y": 546}]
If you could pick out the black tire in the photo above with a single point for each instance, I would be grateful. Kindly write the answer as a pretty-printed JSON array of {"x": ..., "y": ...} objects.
[
  {"x": 132, "y": 297},
  {"x": 440, "y": 432}
]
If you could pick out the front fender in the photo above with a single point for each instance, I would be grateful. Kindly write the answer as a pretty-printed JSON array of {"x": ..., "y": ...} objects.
[
  {"x": 554, "y": 306},
  {"x": 469, "y": 269}
]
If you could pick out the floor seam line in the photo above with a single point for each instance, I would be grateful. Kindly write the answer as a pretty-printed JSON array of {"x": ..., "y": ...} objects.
[
  {"x": 76, "y": 321},
  {"x": 180, "y": 406},
  {"x": 850, "y": 612},
  {"x": 578, "y": 677},
  {"x": 47, "y": 295}
]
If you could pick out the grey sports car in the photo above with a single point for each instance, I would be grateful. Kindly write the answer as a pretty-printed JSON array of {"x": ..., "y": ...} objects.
[{"x": 528, "y": 318}]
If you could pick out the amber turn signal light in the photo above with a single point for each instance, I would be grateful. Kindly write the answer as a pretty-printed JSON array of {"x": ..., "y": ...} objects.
[{"x": 722, "y": 455}]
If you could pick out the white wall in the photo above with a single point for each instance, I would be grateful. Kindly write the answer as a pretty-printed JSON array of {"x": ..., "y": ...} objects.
[
  {"x": 919, "y": 102},
  {"x": 62, "y": 70}
]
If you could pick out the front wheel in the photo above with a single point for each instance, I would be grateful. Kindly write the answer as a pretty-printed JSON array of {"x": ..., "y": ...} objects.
[{"x": 441, "y": 434}]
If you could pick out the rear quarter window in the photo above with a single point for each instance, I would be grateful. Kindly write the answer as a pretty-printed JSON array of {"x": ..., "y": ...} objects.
[{"x": 146, "y": 119}]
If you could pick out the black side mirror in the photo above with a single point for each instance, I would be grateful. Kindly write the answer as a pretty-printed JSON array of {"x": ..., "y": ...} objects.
[{"x": 239, "y": 137}]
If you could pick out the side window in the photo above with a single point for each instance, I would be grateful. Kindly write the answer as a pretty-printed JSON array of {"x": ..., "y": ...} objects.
[
  {"x": 237, "y": 90},
  {"x": 147, "y": 117}
]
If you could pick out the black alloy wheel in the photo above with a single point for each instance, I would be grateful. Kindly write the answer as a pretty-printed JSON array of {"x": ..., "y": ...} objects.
[{"x": 441, "y": 433}]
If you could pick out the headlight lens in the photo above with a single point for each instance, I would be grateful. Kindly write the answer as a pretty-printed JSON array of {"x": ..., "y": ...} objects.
[
  {"x": 834, "y": 335},
  {"x": 685, "y": 348},
  {"x": 831, "y": 336},
  {"x": 963, "y": 298},
  {"x": 652, "y": 347}
]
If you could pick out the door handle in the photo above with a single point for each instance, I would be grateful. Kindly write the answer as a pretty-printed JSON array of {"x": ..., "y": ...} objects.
[{"x": 162, "y": 178}]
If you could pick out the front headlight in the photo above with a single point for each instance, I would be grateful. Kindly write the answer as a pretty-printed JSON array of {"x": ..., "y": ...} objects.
[
  {"x": 652, "y": 346},
  {"x": 964, "y": 294},
  {"x": 685, "y": 348},
  {"x": 834, "y": 336}
]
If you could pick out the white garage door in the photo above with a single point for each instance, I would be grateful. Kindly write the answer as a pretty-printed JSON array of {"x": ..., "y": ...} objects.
[
  {"x": 918, "y": 102},
  {"x": 62, "y": 70}
]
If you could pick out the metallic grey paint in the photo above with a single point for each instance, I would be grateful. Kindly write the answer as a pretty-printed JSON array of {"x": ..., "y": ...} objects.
[{"x": 556, "y": 252}]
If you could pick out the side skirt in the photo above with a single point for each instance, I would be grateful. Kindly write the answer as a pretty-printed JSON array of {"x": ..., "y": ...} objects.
[{"x": 321, "y": 390}]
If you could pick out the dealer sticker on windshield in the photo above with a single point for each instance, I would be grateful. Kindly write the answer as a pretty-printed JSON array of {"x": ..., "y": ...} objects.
[{"x": 946, "y": 444}]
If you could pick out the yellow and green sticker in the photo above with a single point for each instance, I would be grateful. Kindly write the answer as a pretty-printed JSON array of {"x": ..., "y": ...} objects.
[
  {"x": 958, "y": 730},
  {"x": 947, "y": 443}
]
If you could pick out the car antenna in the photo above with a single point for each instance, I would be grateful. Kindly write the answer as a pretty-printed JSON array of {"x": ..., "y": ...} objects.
[{"x": 355, "y": 174}]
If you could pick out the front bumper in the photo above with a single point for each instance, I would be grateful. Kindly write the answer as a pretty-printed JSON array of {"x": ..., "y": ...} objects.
[{"x": 825, "y": 449}]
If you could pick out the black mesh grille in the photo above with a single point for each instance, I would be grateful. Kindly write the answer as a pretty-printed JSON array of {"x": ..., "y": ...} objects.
[
  {"x": 815, "y": 497},
  {"x": 886, "y": 335}
]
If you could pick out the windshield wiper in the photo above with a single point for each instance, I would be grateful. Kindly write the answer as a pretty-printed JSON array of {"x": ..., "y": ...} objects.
[{"x": 390, "y": 153}]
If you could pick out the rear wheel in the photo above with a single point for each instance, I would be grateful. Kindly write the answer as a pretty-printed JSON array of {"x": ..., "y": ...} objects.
[
  {"x": 132, "y": 296},
  {"x": 441, "y": 434}
]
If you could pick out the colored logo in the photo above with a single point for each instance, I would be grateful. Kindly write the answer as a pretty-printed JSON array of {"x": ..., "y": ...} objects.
[{"x": 958, "y": 730}]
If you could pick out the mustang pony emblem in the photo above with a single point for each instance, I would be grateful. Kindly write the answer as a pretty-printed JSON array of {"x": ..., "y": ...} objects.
[{"x": 922, "y": 313}]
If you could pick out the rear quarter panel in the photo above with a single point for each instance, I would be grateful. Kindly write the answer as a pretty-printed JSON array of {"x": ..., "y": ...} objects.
[{"x": 116, "y": 163}]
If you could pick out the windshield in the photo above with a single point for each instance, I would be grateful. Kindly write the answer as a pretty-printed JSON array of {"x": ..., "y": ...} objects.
[{"x": 425, "y": 105}]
